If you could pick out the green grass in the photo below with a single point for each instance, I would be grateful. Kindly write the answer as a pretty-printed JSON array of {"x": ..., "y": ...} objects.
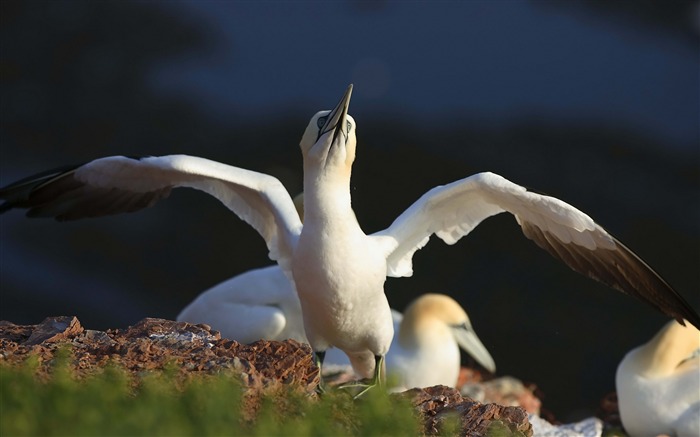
[{"x": 113, "y": 403}]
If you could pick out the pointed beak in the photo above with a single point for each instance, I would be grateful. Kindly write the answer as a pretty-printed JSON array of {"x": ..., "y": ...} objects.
[
  {"x": 337, "y": 119},
  {"x": 470, "y": 343}
]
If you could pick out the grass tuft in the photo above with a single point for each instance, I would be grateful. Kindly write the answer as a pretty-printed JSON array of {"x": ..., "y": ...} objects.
[{"x": 115, "y": 403}]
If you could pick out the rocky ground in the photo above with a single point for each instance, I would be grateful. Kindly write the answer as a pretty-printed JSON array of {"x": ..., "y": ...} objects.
[{"x": 194, "y": 350}]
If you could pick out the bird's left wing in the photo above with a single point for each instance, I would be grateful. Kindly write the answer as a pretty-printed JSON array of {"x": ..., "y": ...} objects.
[
  {"x": 118, "y": 184},
  {"x": 452, "y": 211}
]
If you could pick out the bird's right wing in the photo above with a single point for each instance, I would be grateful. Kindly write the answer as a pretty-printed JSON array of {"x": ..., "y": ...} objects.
[
  {"x": 118, "y": 184},
  {"x": 452, "y": 211},
  {"x": 448, "y": 211}
]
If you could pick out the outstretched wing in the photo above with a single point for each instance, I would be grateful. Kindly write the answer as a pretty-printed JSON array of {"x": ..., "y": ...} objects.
[
  {"x": 452, "y": 211},
  {"x": 118, "y": 184}
]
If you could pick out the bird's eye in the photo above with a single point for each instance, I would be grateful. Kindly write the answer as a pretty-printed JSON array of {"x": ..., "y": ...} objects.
[
  {"x": 349, "y": 127},
  {"x": 463, "y": 326},
  {"x": 321, "y": 121}
]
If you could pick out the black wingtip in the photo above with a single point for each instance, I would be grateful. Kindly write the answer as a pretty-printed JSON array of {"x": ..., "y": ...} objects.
[{"x": 621, "y": 269}]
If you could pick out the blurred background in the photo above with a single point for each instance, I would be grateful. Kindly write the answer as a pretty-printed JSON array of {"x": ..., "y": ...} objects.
[{"x": 590, "y": 101}]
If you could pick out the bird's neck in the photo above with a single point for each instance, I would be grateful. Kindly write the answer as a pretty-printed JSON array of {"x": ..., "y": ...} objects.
[
  {"x": 326, "y": 195},
  {"x": 673, "y": 344}
]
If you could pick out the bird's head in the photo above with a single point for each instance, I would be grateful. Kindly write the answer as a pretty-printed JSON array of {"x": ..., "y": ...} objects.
[
  {"x": 437, "y": 307},
  {"x": 329, "y": 140},
  {"x": 431, "y": 311}
]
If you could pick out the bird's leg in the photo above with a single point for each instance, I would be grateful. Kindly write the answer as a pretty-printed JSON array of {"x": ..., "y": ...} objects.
[
  {"x": 377, "y": 379},
  {"x": 319, "y": 356}
]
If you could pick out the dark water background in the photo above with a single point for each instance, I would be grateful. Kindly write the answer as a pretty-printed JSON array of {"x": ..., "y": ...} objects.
[{"x": 593, "y": 102}]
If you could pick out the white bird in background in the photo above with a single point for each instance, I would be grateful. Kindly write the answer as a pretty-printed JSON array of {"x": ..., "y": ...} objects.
[
  {"x": 658, "y": 384},
  {"x": 338, "y": 270},
  {"x": 257, "y": 304},
  {"x": 426, "y": 350}
]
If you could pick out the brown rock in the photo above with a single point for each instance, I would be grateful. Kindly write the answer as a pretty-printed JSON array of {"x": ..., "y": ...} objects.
[
  {"x": 438, "y": 403},
  {"x": 54, "y": 329},
  {"x": 15, "y": 333},
  {"x": 468, "y": 375},
  {"x": 505, "y": 390},
  {"x": 153, "y": 343}
]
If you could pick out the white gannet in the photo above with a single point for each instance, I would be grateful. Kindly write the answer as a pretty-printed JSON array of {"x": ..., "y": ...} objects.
[
  {"x": 339, "y": 271},
  {"x": 658, "y": 384},
  {"x": 425, "y": 351}
]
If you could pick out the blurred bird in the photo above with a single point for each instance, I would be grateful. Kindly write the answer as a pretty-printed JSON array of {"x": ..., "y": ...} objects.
[
  {"x": 338, "y": 270},
  {"x": 658, "y": 384},
  {"x": 257, "y": 304}
]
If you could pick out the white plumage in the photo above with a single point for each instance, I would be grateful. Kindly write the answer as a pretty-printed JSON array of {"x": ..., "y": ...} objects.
[
  {"x": 658, "y": 384},
  {"x": 257, "y": 304},
  {"x": 426, "y": 350}
]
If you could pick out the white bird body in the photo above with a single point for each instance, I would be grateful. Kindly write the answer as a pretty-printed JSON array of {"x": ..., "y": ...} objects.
[
  {"x": 658, "y": 384},
  {"x": 425, "y": 364},
  {"x": 257, "y": 304},
  {"x": 338, "y": 270}
]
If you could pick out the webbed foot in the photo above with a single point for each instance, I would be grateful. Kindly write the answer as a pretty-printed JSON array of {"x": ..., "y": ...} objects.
[{"x": 369, "y": 383}]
